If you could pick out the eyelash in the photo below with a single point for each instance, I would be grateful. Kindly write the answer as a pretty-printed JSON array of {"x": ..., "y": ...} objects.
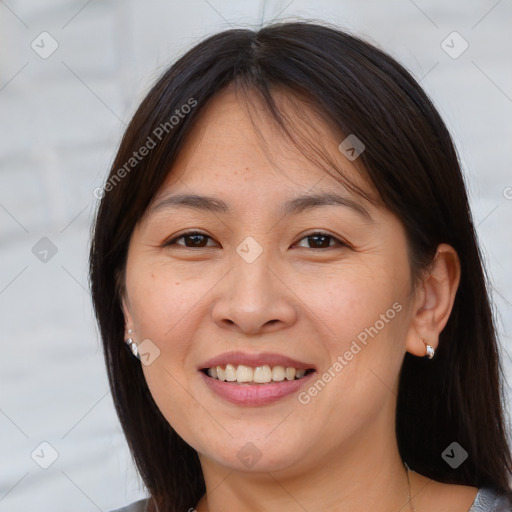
[{"x": 311, "y": 235}]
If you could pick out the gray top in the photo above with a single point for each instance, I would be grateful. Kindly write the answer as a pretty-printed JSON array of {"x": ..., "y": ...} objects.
[{"x": 486, "y": 500}]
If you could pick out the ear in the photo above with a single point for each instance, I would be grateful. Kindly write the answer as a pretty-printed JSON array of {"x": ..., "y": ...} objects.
[
  {"x": 128, "y": 317},
  {"x": 129, "y": 323},
  {"x": 434, "y": 300}
]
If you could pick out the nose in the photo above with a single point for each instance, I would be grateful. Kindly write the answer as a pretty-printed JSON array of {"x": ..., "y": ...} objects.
[{"x": 254, "y": 298}]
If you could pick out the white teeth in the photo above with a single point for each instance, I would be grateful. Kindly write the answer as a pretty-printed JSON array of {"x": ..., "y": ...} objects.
[
  {"x": 230, "y": 373},
  {"x": 244, "y": 373},
  {"x": 261, "y": 374},
  {"x": 278, "y": 373},
  {"x": 290, "y": 373}
]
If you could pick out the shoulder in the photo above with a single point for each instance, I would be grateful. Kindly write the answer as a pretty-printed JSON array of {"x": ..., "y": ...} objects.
[
  {"x": 488, "y": 500},
  {"x": 434, "y": 495},
  {"x": 136, "y": 506}
]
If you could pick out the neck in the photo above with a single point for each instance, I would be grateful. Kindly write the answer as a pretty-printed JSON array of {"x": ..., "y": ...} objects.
[{"x": 359, "y": 476}]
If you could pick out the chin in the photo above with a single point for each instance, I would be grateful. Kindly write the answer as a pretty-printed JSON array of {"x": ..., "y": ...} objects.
[{"x": 256, "y": 454}]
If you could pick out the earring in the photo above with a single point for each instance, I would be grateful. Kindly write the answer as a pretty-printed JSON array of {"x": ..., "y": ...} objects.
[
  {"x": 132, "y": 345},
  {"x": 430, "y": 349}
]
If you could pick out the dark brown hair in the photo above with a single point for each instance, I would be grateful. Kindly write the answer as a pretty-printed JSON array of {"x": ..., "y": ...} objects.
[{"x": 411, "y": 161}]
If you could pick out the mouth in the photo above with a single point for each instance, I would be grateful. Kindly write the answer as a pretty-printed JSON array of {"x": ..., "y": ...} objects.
[
  {"x": 255, "y": 379},
  {"x": 247, "y": 375}
]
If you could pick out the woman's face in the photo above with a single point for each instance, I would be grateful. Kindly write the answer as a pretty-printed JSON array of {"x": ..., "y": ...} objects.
[{"x": 257, "y": 290}]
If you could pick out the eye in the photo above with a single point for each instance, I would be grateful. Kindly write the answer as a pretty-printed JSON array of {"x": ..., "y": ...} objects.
[
  {"x": 193, "y": 239},
  {"x": 321, "y": 240},
  {"x": 198, "y": 240}
]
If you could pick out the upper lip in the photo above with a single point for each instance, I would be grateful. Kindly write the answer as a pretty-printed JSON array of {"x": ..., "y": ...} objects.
[{"x": 254, "y": 360}]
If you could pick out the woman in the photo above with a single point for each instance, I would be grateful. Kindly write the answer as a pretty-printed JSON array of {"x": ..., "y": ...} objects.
[{"x": 285, "y": 247}]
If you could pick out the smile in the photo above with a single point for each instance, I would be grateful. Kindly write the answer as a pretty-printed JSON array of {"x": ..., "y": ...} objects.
[
  {"x": 265, "y": 374},
  {"x": 247, "y": 379}
]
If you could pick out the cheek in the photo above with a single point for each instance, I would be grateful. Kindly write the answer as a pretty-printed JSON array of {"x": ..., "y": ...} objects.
[
  {"x": 362, "y": 314},
  {"x": 167, "y": 310},
  {"x": 182, "y": 407},
  {"x": 163, "y": 302},
  {"x": 347, "y": 302}
]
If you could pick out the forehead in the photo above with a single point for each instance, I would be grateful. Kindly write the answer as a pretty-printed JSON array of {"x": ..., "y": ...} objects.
[{"x": 236, "y": 149}]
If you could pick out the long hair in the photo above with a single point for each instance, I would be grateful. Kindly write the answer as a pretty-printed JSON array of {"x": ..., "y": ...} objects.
[{"x": 410, "y": 159}]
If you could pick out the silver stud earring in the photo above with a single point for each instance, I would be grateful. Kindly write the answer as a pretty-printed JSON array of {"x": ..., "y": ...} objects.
[
  {"x": 132, "y": 345},
  {"x": 429, "y": 349}
]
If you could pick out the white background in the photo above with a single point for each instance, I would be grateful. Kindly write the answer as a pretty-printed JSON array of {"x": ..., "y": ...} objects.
[{"x": 61, "y": 120}]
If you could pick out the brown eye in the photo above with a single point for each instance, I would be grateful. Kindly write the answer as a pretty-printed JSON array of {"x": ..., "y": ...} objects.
[
  {"x": 193, "y": 239},
  {"x": 321, "y": 241}
]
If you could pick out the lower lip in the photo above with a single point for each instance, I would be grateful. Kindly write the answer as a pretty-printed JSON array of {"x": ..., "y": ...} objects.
[{"x": 254, "y": 394}]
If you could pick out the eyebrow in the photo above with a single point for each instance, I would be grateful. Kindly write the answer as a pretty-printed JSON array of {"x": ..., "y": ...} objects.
[{"x": 291, "y": 207}]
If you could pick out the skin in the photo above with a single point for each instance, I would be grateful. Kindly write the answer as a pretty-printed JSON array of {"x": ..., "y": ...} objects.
[{"x": 339, "y": 451}]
